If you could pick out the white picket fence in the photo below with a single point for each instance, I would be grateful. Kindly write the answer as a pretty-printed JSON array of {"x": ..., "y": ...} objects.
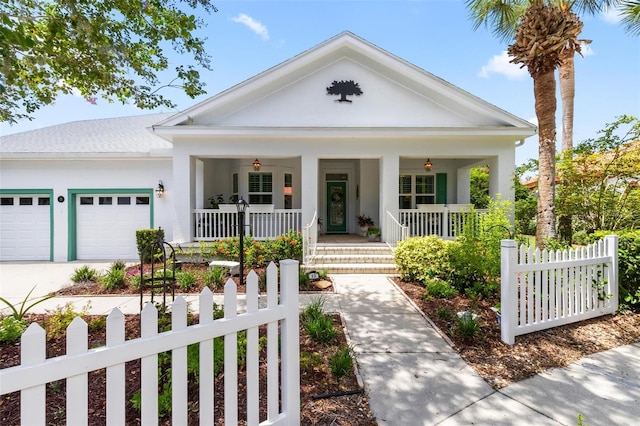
[
  {"x": 282, "y": 381},
  {"x": 544, "y": 289}
]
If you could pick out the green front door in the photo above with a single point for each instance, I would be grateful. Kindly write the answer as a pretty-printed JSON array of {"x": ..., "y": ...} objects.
[{"x": 336, "y": 207}]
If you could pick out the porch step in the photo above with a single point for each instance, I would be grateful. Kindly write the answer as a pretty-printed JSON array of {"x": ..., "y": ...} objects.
[{"x": 369, "y": 258}]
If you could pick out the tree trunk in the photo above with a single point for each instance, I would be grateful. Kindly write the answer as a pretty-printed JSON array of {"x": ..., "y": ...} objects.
[
  {"x": 544, "y": 89},
  {"x": 566, "y": 72}
]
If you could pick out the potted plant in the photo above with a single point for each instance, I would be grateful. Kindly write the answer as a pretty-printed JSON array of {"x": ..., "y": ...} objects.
[
  {"x": 373, "y": 233},
  {"x": 364, "y": 222}
]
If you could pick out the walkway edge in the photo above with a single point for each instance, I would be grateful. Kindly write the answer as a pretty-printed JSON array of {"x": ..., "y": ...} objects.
[{"x": 426, "y": 318}]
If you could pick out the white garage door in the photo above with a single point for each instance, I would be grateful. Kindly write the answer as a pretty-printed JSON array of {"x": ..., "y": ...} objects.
[
  {"x": 25, "y": 227},
  {"x": 107, "y": 224}
]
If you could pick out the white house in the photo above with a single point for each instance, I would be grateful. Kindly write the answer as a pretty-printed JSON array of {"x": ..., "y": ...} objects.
[{"x": 342, "y": 129}]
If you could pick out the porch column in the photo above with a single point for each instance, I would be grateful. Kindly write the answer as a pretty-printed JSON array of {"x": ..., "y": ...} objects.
[
  {"x": 501, "y": 170},
  {"x": 389, "y": 173},
  {"x": 464, "y": 186},
  {"x": 183, "y": 196},
  {"x": 309, "y": 187}
]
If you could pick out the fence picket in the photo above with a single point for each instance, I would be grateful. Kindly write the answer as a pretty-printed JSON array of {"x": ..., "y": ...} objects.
[
  {"x": 273, "y": 382},
  {"x": 115, "y": 373},
  {"x": 206, "y": 391},
  {"x": 33, "y": 400},
  {"x": 552, "y": 288},
  {"x": 253, "y": 409},
  {"x": 149, "y": 368},
  {"x": 230, "y": 353},
  {"x": 179, "y": 384},
  {"x": 77, "y": 386}
]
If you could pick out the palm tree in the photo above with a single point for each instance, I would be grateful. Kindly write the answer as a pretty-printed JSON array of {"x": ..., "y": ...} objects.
[
  {"x": 505, "y": 16},
  {"x": 544, "y": 33},
  {"x": 630, "y": 12}
]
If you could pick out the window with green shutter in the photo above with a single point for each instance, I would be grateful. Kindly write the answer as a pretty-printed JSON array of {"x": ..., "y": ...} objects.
[{"x": 421, "y": 189}]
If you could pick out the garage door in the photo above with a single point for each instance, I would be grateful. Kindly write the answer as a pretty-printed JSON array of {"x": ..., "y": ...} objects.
[
  {"x": 107, "y": 223},
  {"x": 25, "y": 227}
]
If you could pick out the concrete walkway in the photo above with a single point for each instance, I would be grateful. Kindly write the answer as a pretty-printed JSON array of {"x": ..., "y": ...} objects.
[{"x": 411, "y": 374}]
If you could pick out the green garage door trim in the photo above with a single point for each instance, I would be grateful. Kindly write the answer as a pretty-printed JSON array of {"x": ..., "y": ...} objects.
[
  {"x": 72, "y": 251},
  {"x": 48, "y": 192},
  {"x": 441, "y": 188}
]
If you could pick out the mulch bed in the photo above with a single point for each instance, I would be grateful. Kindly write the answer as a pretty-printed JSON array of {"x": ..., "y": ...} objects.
[
  {"x": 500, "y": 364},
  {"x": 315, "y": 380}
]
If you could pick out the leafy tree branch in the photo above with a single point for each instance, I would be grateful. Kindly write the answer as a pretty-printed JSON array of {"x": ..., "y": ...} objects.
[{"x": 112, "y": 49}]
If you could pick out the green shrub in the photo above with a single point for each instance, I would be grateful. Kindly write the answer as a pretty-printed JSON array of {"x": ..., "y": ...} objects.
[
  {"x": 214, "y": 276},
  {"x": 444, "y": 313},
  {"x": 11, "y": 329},
  {"x": 288, "y": 246},
  {"x": 483, "y": 290},
  {"x": 440, "y": 289},
  {"x": 465, "y": 326},
  {"x": 628, "y": 266},
  {"x": 186, "y": 280},
  {"x": 84, "y": 274},
  {"x": 341, "y": 362},
  {"x": 145, "y": 238},
  {"x": 422, "y": 258},
  {"x": 304, "y": 282},
  {"x": 313, "y": 310},
  {"x": 476, "y": 254},
  {"x": 114, "y": 277},
  {"x": 321, "y": 329},
  {"x": 310, "y": 361},
  {"x": 61, "y": 317}
]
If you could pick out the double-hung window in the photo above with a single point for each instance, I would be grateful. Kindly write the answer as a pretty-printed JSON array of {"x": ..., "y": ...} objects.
[
  {"x": 260, "y": 188},
  {"x": 416, "y": 189}
]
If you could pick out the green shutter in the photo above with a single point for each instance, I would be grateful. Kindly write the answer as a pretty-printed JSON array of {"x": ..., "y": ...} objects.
[{"x": 441, "y": 188}]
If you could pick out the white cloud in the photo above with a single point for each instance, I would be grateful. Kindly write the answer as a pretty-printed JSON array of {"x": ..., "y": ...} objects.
[
  {"x": 253, "y": 25},
  {"x": 499, "y": 64},
  {"x": 611, "y": 15}
]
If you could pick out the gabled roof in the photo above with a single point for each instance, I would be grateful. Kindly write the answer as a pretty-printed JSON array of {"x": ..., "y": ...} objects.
[
  {"x": 125, "y": 136},
  {"x": 345, "y": 47}
]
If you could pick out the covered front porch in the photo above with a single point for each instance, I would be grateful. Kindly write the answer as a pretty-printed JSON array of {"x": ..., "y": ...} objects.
[{"x": 401, "y": 196}]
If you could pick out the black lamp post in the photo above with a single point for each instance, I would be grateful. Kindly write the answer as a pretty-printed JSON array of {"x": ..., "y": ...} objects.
[{"x": 241, "y": 205}]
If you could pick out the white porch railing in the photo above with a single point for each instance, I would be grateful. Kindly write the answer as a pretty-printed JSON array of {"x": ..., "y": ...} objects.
[
  {"x": 310, "y": 239},
  {"x": 282, "y": 399},
  {"x": 394, "y": 231},
  {"x": 540, "y": 290},
  {"x": 445, "y": 221},
  {"x": 215, "y": 224}
]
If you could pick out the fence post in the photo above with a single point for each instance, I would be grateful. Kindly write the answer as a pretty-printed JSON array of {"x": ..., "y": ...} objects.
[
  {"x": 611, "y": 244},
  {"x": 289, "y": 277},
  {"x": 508, "y": 290}
]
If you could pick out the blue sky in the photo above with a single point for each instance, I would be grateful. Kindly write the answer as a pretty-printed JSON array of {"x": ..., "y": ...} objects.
[{"x": 247, "y": 37}]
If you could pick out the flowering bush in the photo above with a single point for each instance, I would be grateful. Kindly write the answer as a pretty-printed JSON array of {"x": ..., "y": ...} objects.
[{"x": 256, "y": 253}]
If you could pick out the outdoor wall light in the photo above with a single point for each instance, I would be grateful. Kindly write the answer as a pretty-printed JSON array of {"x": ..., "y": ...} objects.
[
  {"x": 428, "y": 165},
  {"x": 257, "y": 165},
  {"x": 160, "y": 189}
]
